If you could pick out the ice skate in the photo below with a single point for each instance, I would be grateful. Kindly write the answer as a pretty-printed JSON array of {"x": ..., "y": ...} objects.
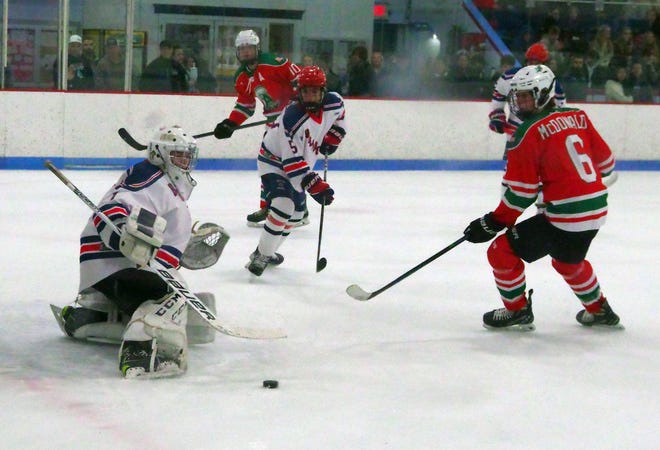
[
  {"x": 604, "y": 318},
  {"x": 139, "y": 359},
  {"x": 259, "y": 262},
  {"x": 257, "y": 218},
  {"x": 503, "y": 319},
  {"x": 74, "y": 318}
]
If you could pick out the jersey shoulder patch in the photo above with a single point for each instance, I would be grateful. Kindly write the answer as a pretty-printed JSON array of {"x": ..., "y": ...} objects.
[
  {"x": 271, "y": 59},
  {"x": 141, "y": 175}
]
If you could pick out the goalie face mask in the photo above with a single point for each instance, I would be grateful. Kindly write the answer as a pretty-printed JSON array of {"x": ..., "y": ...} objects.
[{"x": 175, "y": 152}]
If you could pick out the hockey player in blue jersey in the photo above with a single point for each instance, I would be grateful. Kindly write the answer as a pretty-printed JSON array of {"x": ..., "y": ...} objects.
[
  {"x": 311, "y": 125},
  {"x": 148, "y": 206}
]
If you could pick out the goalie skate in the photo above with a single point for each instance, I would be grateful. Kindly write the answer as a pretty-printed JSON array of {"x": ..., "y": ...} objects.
[{"x": 139, "y": 360}]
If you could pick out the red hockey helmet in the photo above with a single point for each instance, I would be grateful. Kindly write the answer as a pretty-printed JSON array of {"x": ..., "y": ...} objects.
[
  {"x": 311, "y": 76},
  {"x": 536, "y": 54}
]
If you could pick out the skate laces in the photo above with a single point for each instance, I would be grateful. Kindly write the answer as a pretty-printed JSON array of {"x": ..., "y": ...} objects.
[{"x": 502, "y": 314}]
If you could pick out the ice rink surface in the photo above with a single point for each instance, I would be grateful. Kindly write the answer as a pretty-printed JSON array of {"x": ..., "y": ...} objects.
[{"x": 410, "y": 369}]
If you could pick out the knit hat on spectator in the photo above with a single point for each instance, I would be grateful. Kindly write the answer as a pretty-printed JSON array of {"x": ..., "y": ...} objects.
[{"x": 75, "y": 39}]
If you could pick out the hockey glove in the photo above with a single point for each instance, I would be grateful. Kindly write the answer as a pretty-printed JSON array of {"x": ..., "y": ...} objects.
[
  {"x": 332, "y": 140},
  {"x": 483, "y": 229},
  {"x": 142, "y": 236},
  {"x": 317, "y": 188},
  {"x": 224, "y": 129},
  {"x": 497, "y": 121}
]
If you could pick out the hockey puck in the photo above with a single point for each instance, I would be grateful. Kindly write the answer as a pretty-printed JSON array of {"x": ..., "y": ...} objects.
[{"x": 270, "y": 384}]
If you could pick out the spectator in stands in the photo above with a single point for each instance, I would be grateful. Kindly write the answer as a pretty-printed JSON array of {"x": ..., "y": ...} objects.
[
  {"x": 307, "y": 60},
  {"x": 358, "y": 72},
  {"x": 403, "y": 80},
  {"x": 576, "y": 78},
  {"x": 603, "y": 50},
  {"x": 179, "y": 72},
  {"x": 573, "y": 31},
  {"x": 434, "y": 78},
  {"x": 332, "y": 80},
  {"x": 506, "y": 62},
  {"x": 89, "y": 52},
  {"x": 554, "y": 45},
  {"x": 80, "y": 74},
  {"x": 109, "y": 73},
  {"x": 615, "y": 86},
  {"x": 464, "y": 77},
  {"x": 378, "y": 75},
  {"x": 640, "y": 84},
  {"x": 157, "y": 76},
  {"x": 199, "y": 79},
  {"x": 624, "y": 45},
  {"x": 648, "y": 44}
]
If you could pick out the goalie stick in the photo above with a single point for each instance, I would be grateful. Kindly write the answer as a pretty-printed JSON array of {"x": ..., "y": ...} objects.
[
  {"x": 179, "y": 289},
  {"x": 358, "y": 293},
  {"x": 130, "y": 140}
]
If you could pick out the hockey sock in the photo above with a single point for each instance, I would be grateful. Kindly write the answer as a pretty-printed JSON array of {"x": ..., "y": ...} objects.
[
  {"x": 582, "y": 280},
  {"x": 509, "y": 273}
]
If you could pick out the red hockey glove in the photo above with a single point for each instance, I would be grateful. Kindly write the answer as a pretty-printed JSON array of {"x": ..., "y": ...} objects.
[
  {"x": 332, "y": 140},
  {"x": 317, "y": 188}
]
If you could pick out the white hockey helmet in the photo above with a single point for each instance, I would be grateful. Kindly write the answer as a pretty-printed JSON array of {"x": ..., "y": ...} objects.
[
  {"x": 244, "y": 38},
  {"x": 175, "y": 152},
  {"x": 537, "y": 79}
]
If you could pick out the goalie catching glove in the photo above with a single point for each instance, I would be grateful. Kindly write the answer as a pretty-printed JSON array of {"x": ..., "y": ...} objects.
[
  {"x": 317, "y": 188},
  {"x": 204, "y": 247},
  {"x": 142, "y": 236}
]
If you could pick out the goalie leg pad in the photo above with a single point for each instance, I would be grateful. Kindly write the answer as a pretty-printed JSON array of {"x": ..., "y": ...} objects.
[{"x": 164, "y": 323}]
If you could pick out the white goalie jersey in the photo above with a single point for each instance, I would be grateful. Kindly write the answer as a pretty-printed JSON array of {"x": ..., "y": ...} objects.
[
  {"x": 143, "y": 185},
  {"x": 290, "y": 147}
]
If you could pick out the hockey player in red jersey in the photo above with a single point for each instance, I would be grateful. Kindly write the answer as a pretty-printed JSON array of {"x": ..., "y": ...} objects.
[
  {"x": 264, "y": 76},
  {"x": 498, "y": 121},
  {"x": 558, "y": 151}
]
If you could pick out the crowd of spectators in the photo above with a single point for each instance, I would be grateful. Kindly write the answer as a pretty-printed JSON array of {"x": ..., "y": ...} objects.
[{"x": 610, "y": 54}]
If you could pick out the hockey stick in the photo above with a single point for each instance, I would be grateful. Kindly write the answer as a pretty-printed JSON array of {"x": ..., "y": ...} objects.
[
  {"x": 358, "y": 293},
  {"x": 322, "y": 262},
  {"x": 130, "y": 140},
  {"x": 179, "y": 289}
]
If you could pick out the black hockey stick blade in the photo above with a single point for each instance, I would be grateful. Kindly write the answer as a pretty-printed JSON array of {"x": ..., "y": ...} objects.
[
  {"x": 126, "y": 137},
  {"x": 358, "y": 293},
  {"x": 320, "y": 264}
]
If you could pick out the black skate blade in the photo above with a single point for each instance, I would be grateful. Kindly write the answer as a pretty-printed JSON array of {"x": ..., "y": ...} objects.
[
  {"x": 521, "y": 327},
  {"x": 320, "y": 264}
]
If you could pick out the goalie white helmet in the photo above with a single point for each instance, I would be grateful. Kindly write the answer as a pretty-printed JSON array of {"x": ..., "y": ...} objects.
[
  {"x": 537, "y": 80},
  {"x": 175, "y": 152},
  {"x": 247, "y": 47}
]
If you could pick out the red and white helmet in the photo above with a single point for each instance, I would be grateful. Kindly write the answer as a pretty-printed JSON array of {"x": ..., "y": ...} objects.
[
  {"x": 536, "y": 54},
  {"x": 311, "y": 76}
]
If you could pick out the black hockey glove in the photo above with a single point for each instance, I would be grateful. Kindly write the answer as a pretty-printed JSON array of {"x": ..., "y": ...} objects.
[
  {"x": 483, "y": 229},
  {"x": 317, "y": 188},
  {"x": 224, "y": 129},
  {"x": 497, "y": 121},
  {"x": 327, "y": 149}
]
